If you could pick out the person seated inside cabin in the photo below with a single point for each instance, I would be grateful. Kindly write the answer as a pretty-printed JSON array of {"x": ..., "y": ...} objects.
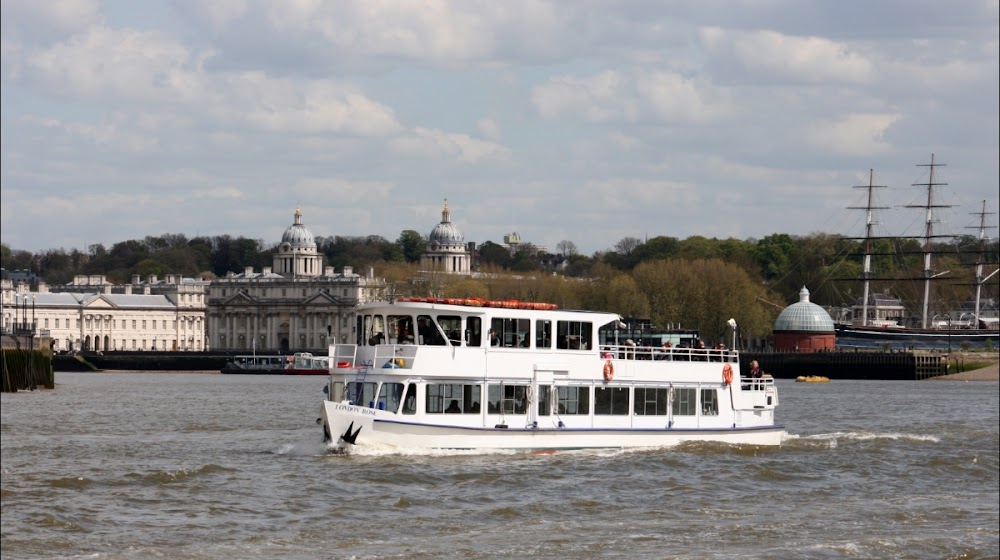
[
  {"x": 516, "y": 341},
  {"x": 475, "y": 408},
  {"x": 376, "y": 339},
  {"x": 453, "y": 407},
  {"x": 406, "y": 337},
  {"x": 494, "y": 339}
]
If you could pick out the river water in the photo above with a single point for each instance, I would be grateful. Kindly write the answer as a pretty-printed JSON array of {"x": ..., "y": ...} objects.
[{"x": 116, "y": 466}]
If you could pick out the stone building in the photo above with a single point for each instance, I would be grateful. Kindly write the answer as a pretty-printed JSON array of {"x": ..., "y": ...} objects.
[
  {"x": 94, "y": 314},
  {"x": 295, "y": 305},
  {"x": 446, "y": 248}
]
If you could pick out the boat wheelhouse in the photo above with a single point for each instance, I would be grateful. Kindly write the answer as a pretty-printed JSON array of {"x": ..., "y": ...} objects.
[{"x": 473, "y": 374}]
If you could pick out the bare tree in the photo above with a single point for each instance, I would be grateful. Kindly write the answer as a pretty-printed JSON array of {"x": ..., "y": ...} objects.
[
  {"x": 566, "y": 247},
  {"x": 627, "y": 245}
]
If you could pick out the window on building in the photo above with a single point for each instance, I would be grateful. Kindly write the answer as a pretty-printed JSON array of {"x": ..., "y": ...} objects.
[
  {"x": 77, "y": 323},
  {"x": 46, "y": 323},
  {"x": 164, "y": 324},
  {"x": 153, "y": 324},
  {"x": 133, "y": 324},
  {"x": 57, "y": 323}
]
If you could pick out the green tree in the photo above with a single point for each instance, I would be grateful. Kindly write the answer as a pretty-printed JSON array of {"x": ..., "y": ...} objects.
[{"x": 412, "y": 245}]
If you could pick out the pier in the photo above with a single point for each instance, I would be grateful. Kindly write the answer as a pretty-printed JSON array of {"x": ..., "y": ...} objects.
[{"x": 903, "y": 366}]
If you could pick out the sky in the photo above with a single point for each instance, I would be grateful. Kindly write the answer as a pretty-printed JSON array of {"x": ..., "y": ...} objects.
[{"x": 586, "y": 121}]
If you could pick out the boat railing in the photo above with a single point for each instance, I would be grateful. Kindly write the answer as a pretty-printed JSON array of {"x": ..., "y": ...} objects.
[
  {"x": 628, "y": 352},
  {"x": 387, "y": 356},
  {"x": 394, "y": 356}
]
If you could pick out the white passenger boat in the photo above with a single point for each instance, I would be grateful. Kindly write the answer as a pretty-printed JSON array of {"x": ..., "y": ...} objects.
[{"x": 473, "y": 374}]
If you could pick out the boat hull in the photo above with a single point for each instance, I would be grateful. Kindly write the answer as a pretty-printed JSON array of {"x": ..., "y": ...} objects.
[{"x": 347, "y": 425}]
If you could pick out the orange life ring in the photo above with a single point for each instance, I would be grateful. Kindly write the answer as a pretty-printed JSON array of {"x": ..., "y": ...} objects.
[
  {"x": 609, "y": 371},
  {"x": 727, "y": 374}
]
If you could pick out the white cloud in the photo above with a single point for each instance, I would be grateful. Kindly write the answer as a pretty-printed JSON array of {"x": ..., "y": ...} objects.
[
  {"x": 596, "y": 98},
  {"x": 790, "y": 58},
  {"x": 855, "y": 134},
  {"x": 674, "y": 98},
  {"x": 435, "y": 143}
]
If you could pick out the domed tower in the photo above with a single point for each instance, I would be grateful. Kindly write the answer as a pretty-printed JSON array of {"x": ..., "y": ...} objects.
[
  {"x": 804, "y": 327},
  {"x": 446, "y": 249},
  {"x": 297, "y": 255}
]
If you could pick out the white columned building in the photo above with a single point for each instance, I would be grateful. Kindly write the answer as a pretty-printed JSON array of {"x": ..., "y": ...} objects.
[
  {"x": 446, "y": 248},
  {"x": 295, "y": 305}
]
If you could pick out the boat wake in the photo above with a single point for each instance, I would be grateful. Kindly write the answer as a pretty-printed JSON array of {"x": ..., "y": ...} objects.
[{"x": 834, "y": 438}]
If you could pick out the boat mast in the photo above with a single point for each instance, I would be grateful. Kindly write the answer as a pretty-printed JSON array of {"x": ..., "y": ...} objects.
[
  {"x": 982, "y": 255},
  {"x": 929, "y": 231},
  {"x": 869, "y": 223}
]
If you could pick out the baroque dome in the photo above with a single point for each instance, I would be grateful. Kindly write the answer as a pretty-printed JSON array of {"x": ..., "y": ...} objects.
[
  {"x": 446, "y": 233},
  {"x": 804, "y": 316},
  {"x": 298, "y": 235}
]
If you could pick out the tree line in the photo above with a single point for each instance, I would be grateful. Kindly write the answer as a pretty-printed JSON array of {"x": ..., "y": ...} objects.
[{"x": 696, "y": 283}]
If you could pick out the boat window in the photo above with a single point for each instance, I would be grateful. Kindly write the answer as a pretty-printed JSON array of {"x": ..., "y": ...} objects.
[
  {"x": 651, "y": 401},
  {"x": 474, "y": 331},
  {"x": 574, "y": 335},
  {"x": 574, "y": 400},
  {"x": 545, "y": 393},
  {"x": 400, "y": 328},
  {"x": 447, "y": 398},
  {"x": 709, "y": 402},
  {"x": 410, "y": 401},
  {"x": 543, "y": 333},
  {"x": 508, "y": 399},
  {"x": 427, "y": 332},
  {"x": 361, "y": 394},
  {"x": 452, "y": 327},
  {"x": 512, "y": 332},
  {"x": 684, "y": 402},
  {"x": 611, "y": 401},
  {"x": 389, "y": 396}
]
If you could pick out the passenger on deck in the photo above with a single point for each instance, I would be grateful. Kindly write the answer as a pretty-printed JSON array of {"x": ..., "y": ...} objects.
[{"x": 453, "y": 407}]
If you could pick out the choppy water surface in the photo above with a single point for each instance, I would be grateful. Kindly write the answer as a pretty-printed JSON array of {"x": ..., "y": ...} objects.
[{"x": 224, "y": 467}]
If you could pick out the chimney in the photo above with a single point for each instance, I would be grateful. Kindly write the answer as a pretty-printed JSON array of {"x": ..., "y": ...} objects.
[
  {"x": 152, "y": 279},
  {"x": 327, "y": 271},
  {"x": 135, "y": 279},
  {"x": 348, "y": 270},
  {"x": 248, "y": 271},
  {"x": 267, "y": 270}
]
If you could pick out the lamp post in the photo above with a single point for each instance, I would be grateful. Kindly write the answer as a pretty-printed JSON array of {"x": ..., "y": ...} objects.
[{"x": 732, "y": 325}]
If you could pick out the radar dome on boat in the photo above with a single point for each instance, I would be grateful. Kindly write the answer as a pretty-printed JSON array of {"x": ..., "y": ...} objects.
[{"x": 298, "y": 235}]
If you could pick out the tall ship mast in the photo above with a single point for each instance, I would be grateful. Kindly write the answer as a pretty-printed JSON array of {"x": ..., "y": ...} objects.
[
  {"x": 981, "y": 260},
  {"x": 869, "y": 224},
  {"x": 929, "y": 232},
  {"x": 883, "y": 326}
]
